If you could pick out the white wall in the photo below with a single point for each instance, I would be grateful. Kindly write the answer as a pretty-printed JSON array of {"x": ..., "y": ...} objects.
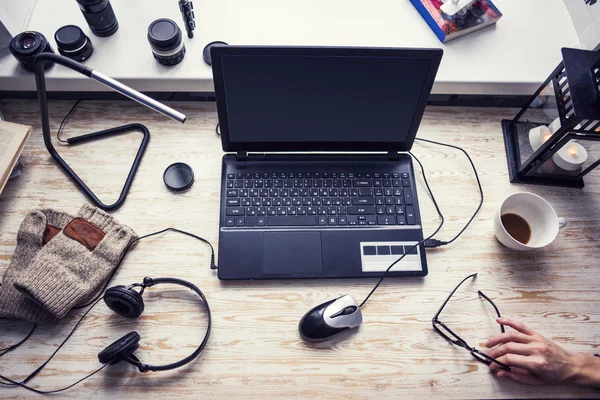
[
  {"x": 586, "y": 18},
  {"x": 14, "y": 18}
]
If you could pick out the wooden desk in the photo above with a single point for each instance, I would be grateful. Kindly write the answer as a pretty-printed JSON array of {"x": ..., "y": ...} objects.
[{"x": 254, "y": 350}]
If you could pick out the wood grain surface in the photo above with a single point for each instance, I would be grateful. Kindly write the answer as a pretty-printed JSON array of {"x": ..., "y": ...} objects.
[{"x": 254, "y": 350}]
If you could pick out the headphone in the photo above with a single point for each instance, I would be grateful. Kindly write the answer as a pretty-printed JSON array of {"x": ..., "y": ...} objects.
[{"x": 128, "y": 303}]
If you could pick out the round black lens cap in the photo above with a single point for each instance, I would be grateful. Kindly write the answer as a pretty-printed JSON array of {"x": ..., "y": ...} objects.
[
  {"x": 178, "y": 177},
  {"x": 206, "y": 52},
  {"x": 164, "y": 34},
  {"x": 70, "y": 37}
]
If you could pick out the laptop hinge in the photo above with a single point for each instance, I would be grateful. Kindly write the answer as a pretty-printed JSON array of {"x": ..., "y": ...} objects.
[
  {"x": 242, "y": 155},
  {"x": 393, "y": 155}
]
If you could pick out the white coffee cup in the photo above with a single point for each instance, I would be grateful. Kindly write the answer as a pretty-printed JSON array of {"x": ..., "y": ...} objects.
[{"x": 537, "y": 212}]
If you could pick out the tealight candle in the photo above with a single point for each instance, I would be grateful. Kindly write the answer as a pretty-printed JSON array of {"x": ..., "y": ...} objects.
[
  {"x": 538, "y": 136},
  {"x": 570, "y": 157},
  {"x": 554, "y": 126}
]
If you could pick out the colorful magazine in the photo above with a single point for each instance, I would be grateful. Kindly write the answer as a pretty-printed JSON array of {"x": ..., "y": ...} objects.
[{"x": 478, "y": 15}]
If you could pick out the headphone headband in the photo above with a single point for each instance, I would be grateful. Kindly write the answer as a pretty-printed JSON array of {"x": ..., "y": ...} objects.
[{"x": 149, "y": 282}]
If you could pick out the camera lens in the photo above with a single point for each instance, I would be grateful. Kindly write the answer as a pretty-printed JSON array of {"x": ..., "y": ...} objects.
[
  {"x": 100, "y": 16},
  {"x": 73, "y": 43},
  {"x": 166, "y": 41},
  {"x": 25, "y": 46},
  {"x": 26, "y": 42}
]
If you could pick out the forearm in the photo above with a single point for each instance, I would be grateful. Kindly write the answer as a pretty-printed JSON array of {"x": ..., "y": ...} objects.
[{"x": 586, "y": 370}]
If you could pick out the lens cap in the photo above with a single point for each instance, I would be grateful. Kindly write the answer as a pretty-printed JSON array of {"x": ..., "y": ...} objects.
[
  {"x": 206, "y": 52},
  {"x": 70, "y": 37},
  {"x": 164, "y": 34},
  {"x": 178, "y": 177}
]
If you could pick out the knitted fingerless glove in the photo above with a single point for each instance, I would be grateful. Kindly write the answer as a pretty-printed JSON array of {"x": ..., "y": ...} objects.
[
  {"x": 76, "y": 262},
  {"x": 37, "y": 229}
]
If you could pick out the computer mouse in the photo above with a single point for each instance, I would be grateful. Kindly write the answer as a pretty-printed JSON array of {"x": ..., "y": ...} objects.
[{"x": 330, "y": 318}]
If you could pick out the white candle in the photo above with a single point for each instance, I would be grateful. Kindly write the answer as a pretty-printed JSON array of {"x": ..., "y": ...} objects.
[
  {"x": 554, "y": 126},
  {"x": 538, "y": 136},
  {"x": 570, "y": 157}
]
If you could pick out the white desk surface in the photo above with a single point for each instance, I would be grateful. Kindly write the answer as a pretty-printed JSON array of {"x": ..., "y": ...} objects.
[{"x": 513, "y": 57}]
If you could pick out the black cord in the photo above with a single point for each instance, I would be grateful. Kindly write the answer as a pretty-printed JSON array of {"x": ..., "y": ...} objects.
[
  {"x": 92, "y": 303},
  {"x": 428, "y": 240},
  {"x": 65, "y": 120},
  {"x": 14, "y": 346},
  {"x": 14, "y": 383},
  {"x": 478, "y": 185},
  {"x": 416, "y": 245},
  {"x": 41, "y": 367},
  {"x": 217, "y": 130},
  {"x": 212, "y": 259}
]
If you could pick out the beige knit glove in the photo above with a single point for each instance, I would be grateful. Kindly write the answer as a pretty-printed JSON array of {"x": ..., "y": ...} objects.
[
  {"x": 38, "y": 228},
  {"x": 76, "y": 262}
]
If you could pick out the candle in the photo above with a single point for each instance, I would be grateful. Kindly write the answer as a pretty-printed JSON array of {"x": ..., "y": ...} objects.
[
  {"x": 554, "y": 126},
  {"x": 538, "y": 136},
  {"x": 570, "y": 157}
]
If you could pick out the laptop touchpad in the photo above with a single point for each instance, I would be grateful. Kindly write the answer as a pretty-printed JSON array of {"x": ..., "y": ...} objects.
[{"x": 292, "y": 252}]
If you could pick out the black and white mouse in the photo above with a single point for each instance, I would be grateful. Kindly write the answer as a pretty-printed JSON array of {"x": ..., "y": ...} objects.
[{"x": 329, "y": 319}]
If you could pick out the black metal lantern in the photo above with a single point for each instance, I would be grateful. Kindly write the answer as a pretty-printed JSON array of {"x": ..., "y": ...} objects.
[{"x": 555, "y": 138}]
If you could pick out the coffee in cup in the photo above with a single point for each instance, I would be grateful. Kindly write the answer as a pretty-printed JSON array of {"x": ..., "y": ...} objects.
[{"x": 526, "y": 221}]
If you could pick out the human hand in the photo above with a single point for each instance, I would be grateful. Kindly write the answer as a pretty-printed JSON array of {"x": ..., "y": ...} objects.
[{"x": 534, "y": 360}]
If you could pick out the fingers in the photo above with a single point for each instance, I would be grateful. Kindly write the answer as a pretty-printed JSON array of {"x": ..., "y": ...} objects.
[
  {"x": 516, "y": 325},
  {"x": 512, "y": 360},
  {"x": 526, "y": 378},
  {"x": 512, "y": 336},
  {"x": 511, "y": 348}
]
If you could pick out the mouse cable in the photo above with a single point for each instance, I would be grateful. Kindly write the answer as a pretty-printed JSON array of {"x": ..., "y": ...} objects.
[
  {"x": 218, "y": 130},
  {"x": 92, "y": 303},
  {"x": 429, "y": 241},
  {"x": 437, "y": 208},
  {"x": 481, "y": 197}
]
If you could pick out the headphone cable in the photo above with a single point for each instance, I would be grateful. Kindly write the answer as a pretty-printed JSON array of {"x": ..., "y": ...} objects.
[
  {"x": 43, "y": 365},
  {"x": 92, "y": 304},
  {"x": 14, "y": 346}
]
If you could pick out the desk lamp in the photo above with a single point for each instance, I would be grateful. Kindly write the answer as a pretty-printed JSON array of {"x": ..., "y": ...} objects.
[
  {"x": 555, "y": 139},
  {"x": 114, "y": 85}
]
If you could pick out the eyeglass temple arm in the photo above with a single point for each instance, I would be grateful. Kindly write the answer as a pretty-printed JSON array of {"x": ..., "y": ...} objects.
[
  {"x": 435, "y": 317},
  {"x": 493, "y": 305}
]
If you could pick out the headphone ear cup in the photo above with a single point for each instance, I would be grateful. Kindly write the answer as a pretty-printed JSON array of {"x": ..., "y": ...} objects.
[
  {"x": 124, "y": 301},
  {"x": 120, "y": 349}
]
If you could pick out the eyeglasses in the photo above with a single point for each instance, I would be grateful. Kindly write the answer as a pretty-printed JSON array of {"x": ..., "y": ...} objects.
[{"x": 453, "y": 338}]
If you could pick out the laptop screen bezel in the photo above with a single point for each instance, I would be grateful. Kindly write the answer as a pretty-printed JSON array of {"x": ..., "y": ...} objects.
[{"x": 434, "y": 55}]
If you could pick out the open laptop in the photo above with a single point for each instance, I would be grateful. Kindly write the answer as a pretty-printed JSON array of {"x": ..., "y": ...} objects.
[{"x": 315, "y": 183}]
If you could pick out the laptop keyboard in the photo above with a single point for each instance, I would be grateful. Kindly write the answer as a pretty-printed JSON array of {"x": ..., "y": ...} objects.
[{"x": 318, "y": 199}]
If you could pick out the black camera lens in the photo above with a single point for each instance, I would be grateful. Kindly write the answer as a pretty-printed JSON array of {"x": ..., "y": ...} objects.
[
  {"x": 26, "y": 42},
  {"x": 100, "y": 16},
  {"x": 73, "y": 43},
  {"x": 25, "y": 46},
  {"x": 166, "y": 41}
]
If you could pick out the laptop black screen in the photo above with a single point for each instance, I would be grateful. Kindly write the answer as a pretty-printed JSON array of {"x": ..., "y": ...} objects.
[{"x": 323, "y": 102}]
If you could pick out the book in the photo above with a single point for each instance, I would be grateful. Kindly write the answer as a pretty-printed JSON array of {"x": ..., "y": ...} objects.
[
  {"x": 12, "y": 140},
  {"x": 478, "y": 15},
  {"x": 17, "y": 170}
]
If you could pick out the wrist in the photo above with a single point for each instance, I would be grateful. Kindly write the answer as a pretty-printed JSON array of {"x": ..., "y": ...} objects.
[{"x": 585, "y": 370}]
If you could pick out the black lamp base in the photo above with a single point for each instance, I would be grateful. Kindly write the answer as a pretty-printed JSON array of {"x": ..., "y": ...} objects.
[{"x": 512, "y": 159}]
